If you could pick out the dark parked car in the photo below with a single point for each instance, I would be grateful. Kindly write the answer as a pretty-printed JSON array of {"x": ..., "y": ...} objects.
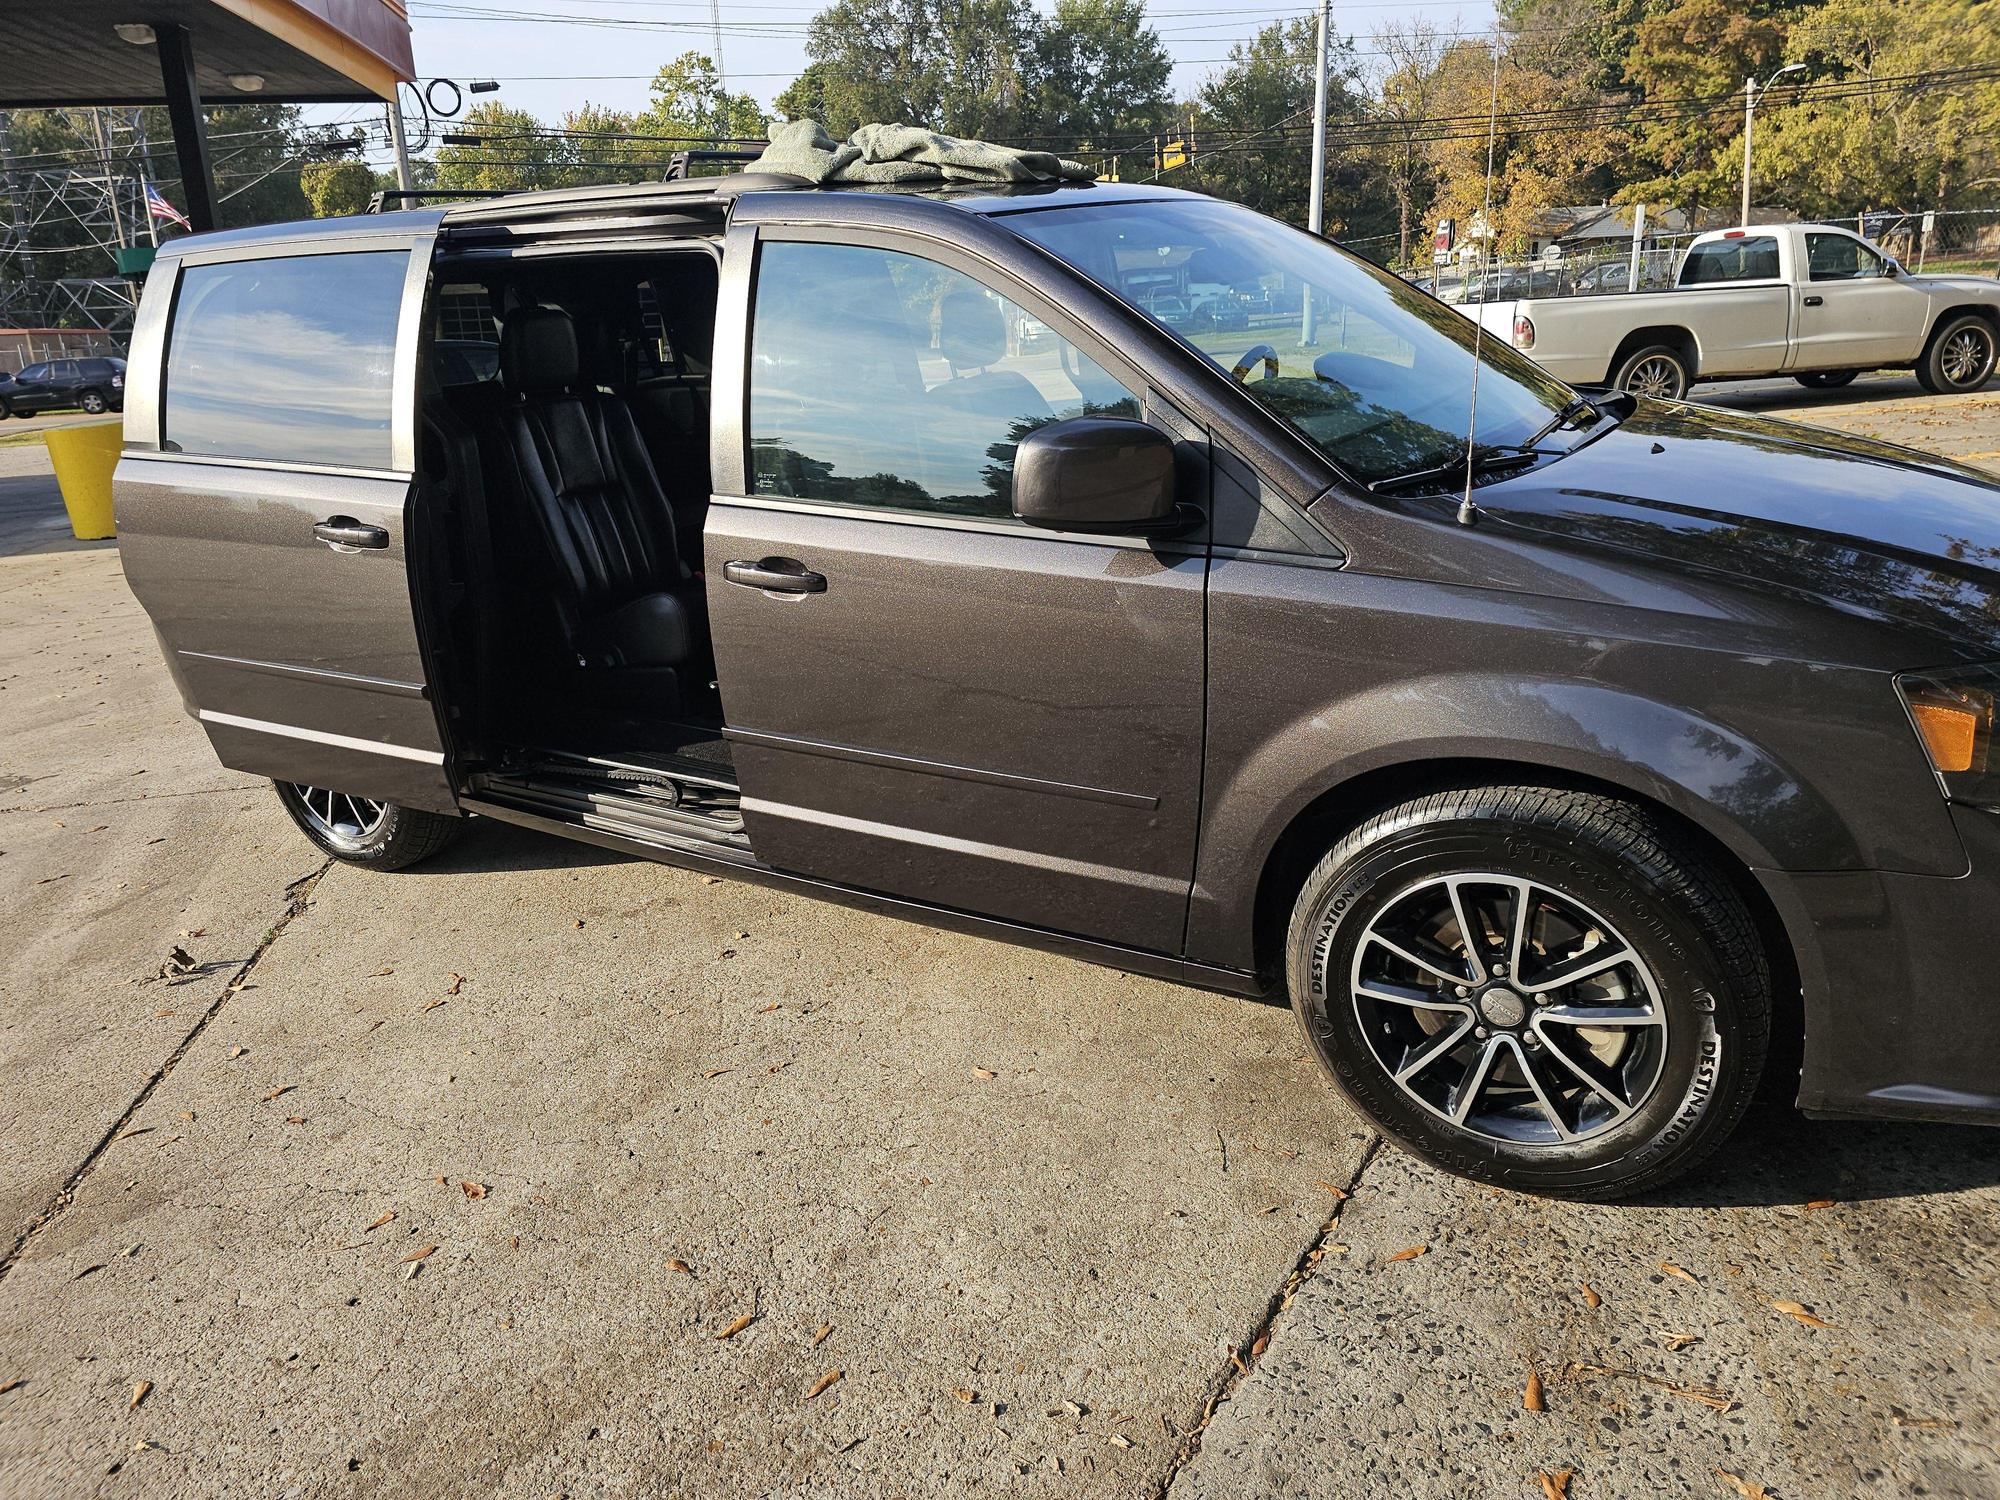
[
  {"x": 1567, "y": 779},
  {"x": 92, "y": 385}
]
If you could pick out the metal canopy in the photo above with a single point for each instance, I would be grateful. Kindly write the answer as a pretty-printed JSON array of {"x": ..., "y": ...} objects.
[{"x": 305, "y": 51}]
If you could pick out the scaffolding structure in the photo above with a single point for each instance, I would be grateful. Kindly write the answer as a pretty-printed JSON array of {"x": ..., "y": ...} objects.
[{"x": 96, "y": 208}]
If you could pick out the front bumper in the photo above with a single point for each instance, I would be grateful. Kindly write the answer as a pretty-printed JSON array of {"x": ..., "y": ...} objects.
[{"x": 1902, "y": 988}]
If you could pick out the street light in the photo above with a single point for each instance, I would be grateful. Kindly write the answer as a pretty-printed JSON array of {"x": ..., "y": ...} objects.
[{"x": 1751, "y": 89}]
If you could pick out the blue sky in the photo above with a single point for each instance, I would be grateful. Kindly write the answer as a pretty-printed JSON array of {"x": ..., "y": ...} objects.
[{"x": 551, "y": 55}]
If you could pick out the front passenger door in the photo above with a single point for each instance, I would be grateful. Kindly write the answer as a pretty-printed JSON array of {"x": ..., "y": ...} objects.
[{"x": 927, "y": 697}]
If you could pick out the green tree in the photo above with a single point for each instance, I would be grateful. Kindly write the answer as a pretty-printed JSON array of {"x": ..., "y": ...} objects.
[
  {"x": 965, "y": 69},
  {"x": 338, "y": 186},
  {"x": 689, "y": 101},
  {"x": 1099, "y": 71}
]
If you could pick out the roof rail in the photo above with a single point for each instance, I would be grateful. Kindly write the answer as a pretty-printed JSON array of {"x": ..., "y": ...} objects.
[
  {"x": 679, "y": 163},
  {"x": 381, "y": 200}
]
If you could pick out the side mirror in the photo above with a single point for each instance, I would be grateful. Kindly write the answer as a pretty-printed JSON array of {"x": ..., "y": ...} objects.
[{"x": 1096, "y": 474}]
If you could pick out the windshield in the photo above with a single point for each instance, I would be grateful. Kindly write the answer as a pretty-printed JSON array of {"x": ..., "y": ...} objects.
[{"x": 1373, "y": 372}]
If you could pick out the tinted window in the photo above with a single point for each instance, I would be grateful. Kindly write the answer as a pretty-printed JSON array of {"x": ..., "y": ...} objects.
[
  {"x": 1754, "y": 258},
  {"x": 1372, "y": 371},
  {"x": 1837, "y": 257},
  {"x": 287, "y": 359},
  {"x": 885, "y": 379},
  {"x": 34, "y": 372}
]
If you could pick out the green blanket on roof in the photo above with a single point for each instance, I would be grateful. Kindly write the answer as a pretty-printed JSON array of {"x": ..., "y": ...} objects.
[{"x": 903, "y": 153}]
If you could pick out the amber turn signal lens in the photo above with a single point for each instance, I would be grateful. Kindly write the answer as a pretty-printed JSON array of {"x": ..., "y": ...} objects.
[{"x": 1951, "y": 734}]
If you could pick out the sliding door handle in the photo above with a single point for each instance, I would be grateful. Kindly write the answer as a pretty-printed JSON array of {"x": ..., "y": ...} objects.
[
  {"x": 776, "y": 575},
  {"x": 344, "y": 533}
]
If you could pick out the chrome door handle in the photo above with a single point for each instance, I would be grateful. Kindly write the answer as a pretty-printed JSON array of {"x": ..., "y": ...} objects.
[
  {"x": 1815, "y": 301},
  {"x": 346, "y": 533},
  {"x": 777, "y": 575}
]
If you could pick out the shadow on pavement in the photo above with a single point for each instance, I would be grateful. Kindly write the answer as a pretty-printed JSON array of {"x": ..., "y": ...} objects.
[
  {"x": 1791, "y": 398},
  {"x": 1779, "y": 1157},
  {"x": 488, "y": 847},
  {"x": 32, "y": 518}
]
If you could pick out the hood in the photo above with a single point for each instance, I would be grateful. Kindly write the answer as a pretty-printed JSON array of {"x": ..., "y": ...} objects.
[
  {"x": 1865, "y": 527},
  {"x": 1985, "y": 287}
]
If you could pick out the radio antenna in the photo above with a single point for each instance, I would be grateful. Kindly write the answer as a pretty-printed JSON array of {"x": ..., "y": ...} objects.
[{"x": 1467, "y": 511}]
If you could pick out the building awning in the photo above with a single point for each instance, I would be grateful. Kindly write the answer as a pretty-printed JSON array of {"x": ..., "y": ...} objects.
[{"x": 71, "y": 52}]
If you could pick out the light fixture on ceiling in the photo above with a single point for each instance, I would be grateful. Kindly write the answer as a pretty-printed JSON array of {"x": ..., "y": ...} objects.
[
  {"x": 247, "y": 83},
  {"x": 138, "y": 33}
]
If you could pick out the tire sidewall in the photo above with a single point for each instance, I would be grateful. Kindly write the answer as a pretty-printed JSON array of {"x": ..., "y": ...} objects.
[
  {"x": 1678, "y": 1114},
  {"x": 390, "y": 846},
  {"x": 1933, "y": 362}
]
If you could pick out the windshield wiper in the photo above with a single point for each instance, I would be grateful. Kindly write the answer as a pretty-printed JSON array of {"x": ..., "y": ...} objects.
[
  {"x": 1488, "y": 461},
  {"x": 1575, "y": 407}
]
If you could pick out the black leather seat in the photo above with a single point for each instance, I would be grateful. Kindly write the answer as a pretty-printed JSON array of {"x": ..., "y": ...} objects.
[{"x": 589, "y": 490}]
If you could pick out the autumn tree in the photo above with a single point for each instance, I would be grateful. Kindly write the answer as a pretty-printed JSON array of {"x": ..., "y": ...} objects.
[{"x": 341, "y": 185}]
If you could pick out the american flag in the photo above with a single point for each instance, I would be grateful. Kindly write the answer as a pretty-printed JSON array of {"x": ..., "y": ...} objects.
[{"x": 159, "y": 208}]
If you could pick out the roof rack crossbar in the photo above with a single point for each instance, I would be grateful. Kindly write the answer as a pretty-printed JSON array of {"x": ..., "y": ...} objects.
[
  {"x": 679, "y": 163},
  {"x": 380, "y": 200}
]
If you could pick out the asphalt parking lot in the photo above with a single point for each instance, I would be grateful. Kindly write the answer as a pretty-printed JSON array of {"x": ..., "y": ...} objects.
[{"x": 466, "y": 1181}]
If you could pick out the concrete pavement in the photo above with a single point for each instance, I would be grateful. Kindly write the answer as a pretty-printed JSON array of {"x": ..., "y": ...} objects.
[{"x": 1059, "y": 1230}]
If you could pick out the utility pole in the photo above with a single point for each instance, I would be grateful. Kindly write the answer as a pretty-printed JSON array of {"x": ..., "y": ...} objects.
[
  {"x": 1316, "y": 202},
  {"x": 1749, "y": 125},
  {"x": 400, "y": 141}
]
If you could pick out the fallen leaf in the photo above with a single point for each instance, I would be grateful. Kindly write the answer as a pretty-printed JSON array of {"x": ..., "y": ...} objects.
[
  {"x": 13, "y": 1385},
  {"x": 1675, "y": 1342},
  {"x": 716, "y": 1072},
  {"x": 1119, "y": 1440},
  {"x": 736, "y": 1327},
  {"x": 387, "y": 1218},
  {"x": 295, "y": 1119},
  {"x": 279, "y": 1092},
  {"x": 238, "y": 1051},
  {"x": 136, "y": 1130},
  {"x": 965, "y": 1394},
  {"x": 823, "y": 1382},
  {"x": 1340, "y": 1194},
  {"x": 1743, "y": 1487},
  {"x": 1820, "y": 1203},
  {"x": 820, "y": 1334},
  {"x": 455, "y": 980},
  {"x": 1673, "y": 1270},
  {"x": 1798, "y": 1310},
  {"x": 1934, "y": 1424},
  {"x": 431, "y": 1005},
  {"x": 984, "y": 1073},
  {"x": 1263, "y": 1342},
  {"x": 187, "y": 1114},
  {"x": 417, "y": 1255},
  {"x": 675, "y": 1263},
  {"x": 1531, "y": 1398},
  {"x": 139, "y": 1393},
  {"x": 1555, "y": 1486},
  {"x": 474, "y": 1190},
  {"x": 161, "y": 1015},
  {"x": 766, "y": 1010},
  {"x": 1410, "y": 1254},
  {"x": 577, "y": 923},
  {"x": 1590, "y": 1298},
  {"x": 382, "y": 973}
]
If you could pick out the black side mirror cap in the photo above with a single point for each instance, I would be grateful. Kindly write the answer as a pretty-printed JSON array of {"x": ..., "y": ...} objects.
[{"x": 1103, "y": 474}]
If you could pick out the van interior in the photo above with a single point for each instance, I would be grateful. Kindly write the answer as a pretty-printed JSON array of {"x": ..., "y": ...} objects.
[{"x": 557, "y": 529}]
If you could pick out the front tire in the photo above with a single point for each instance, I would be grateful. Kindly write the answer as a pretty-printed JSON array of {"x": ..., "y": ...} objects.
[
  {"x": 360, "y": 831},
  {"x": 1542, "y": 989},
  {"x": 1658, "y": 370},
  {"x": 1826, "y": 380},
  {"x": 1960, "y": 356}
]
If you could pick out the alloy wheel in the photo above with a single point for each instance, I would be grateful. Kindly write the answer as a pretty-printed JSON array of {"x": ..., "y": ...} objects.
[
  {"x": 1509, "y": 1009},
  {"x": 1965, "y": 356},
  {"x": 1656, "y": 376},
  {"x": 343, "y": 820}
]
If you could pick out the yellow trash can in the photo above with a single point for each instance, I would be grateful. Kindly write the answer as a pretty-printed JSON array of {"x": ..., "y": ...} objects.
[{"x": 84, "y": 457}]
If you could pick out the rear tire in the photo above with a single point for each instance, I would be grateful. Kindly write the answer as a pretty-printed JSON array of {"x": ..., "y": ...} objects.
[
  {"x": 1826, "y": 380},
  {"x": 359, "y": 831},
  {"x": 1493, "y": 1059},
  {"x": 1960, "y": 356},
  {"x": 92, "y": 402},
  {"x": 1658, "y": 370}
]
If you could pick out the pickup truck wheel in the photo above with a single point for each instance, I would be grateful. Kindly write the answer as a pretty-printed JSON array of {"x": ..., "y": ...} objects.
[
  {"x": 1543, "y": 989},
  {"x": 1657, "y": 371},
  {"x": 359, "y": 831},
  {"x": 1826, "y": 380},
  {"x": 1959, "y": 357}
]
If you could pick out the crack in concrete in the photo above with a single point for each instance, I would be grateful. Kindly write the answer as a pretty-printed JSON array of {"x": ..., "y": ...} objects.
[
  {"x": 204, "y": 791},
  {"x": 1242, "y": 1359},
  {"x": 297, "y": 895}
]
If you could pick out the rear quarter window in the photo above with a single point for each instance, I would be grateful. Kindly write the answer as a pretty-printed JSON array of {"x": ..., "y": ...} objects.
[{"x": 288, "y": 358}]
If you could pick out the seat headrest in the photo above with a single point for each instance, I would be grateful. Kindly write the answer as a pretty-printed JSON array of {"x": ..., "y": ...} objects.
[
  {"x": 971, "y": 328},
  {"x": 538, "y": 351}
]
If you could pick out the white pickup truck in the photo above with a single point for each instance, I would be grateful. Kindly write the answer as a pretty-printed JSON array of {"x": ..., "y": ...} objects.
[{"x": 1811, "y": 301}]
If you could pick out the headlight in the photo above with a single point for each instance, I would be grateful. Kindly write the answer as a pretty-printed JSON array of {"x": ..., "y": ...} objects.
[{"x": 1953, "y": 714}]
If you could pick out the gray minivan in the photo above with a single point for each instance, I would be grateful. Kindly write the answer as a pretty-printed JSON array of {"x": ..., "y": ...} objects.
[{"x": 1571, "y": 760}]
